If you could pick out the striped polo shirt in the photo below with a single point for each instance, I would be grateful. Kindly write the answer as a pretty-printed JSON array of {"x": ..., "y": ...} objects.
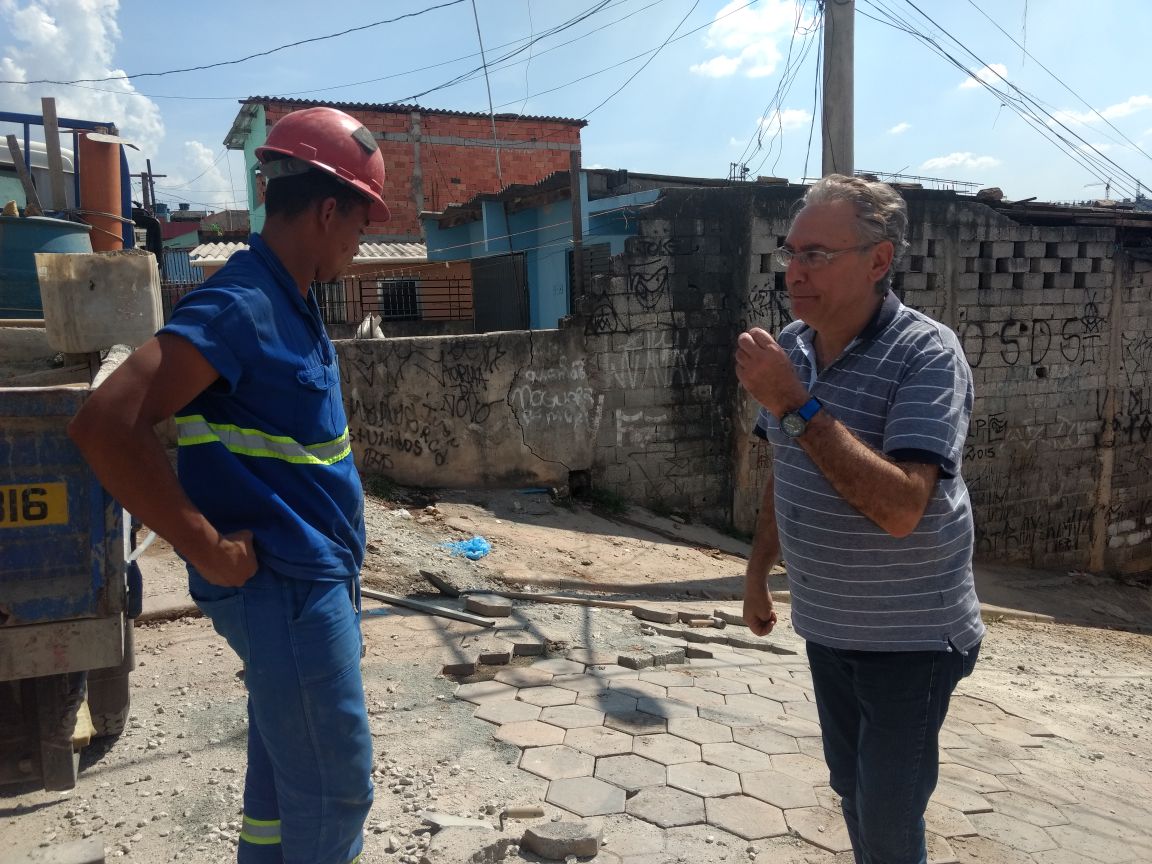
[{"x": 904, "y": 388}]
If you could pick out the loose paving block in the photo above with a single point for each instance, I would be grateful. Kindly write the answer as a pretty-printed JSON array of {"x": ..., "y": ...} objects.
[
  {"x": 630, "y": 772},
  {"x": 695, "y": 696},
  {"x": 555, "y": 841},
  {"x": 557, "y": 761},
  {"x": 571, "y": 716},
  {"x": 666, "y": 807},
  {"x": 820, "y": 827},
  {"x": 586, "y": 796},
  {"x": 666, "y": 708},
  {"x": 1012, "y": 832},
  {"x": 657, "y": 614},
  {"x": 801, "y": 767},
  {"x": 524, "y": 676},
  {"x": 454, "y": 844},
  {"x": 490, "y": 605},
  {"x": 1026, "y": 808},
  {"x": 947, "y": 822},
  {"x": 667, "y": 656},
  {"x": 736, "y": 757},
  {"x": 635, "y": 659},
  {"x": 546, "y": 697},
  {"x": 745, "y": 817},
  {"x": 524, "y": 644},
  {"x": 485, "y": 691},
  {"x": 699, "y": 731},
  {"x": 590, "y": 656},
  {"x": 707, "y": 781},
  {"x": 779, "y": 790},
  {"x": 529, "y": 733},
  {"x": 636, "y": 723},
  {"x": 611, "y": 702},
  {"x": 507, "y": 711},
  {"x": 666, "y": 749},
  {"x": 559, "y": 666},
  {"x": 598, "y": 741},
  {"x": 491, "y": 651},
  {"x": 730, "y": 616},
  {"x": 971, "y": 778}
]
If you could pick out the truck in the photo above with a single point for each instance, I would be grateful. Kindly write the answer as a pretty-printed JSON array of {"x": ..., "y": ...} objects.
[{"x": 68, "y": 590}]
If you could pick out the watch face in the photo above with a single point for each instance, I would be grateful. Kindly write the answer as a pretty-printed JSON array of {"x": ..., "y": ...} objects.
[{"x": 792, "y": 424}]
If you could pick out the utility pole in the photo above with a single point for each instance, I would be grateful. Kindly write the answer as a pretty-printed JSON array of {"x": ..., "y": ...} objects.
[
  {"x": 148, "y": 181},
  {"x": 837, "y": 122}
]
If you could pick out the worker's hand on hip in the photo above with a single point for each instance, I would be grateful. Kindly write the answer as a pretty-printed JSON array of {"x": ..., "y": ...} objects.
[{"x": 234, "y": 562}]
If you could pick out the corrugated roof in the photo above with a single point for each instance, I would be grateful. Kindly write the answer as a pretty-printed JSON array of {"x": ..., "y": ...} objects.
[
  {"x": 400, "y": 108},
  {"x": 218, "y": 253}
]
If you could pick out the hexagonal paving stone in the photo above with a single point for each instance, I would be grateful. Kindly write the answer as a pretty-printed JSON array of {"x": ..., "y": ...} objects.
[
  {"x": 1026, "y": 808},
  {"x": 947, "y": 822},
  {"x": 558, "y": 666},
  {"x": 524, "y": 676},
  {"x": 666, "y": 749},
  {"x": 613, "y": 672},
  {"x": 664, "y": 707},
  {"x": 813, "y": 747},
  {"x": 630, "y": 772},
  {"x": 736, "y": 757},
  {"x": 571, "y": 716},
  {"x": 975, "y": 710},
  {"x": 1091, "y": 845},
  {"x": 722, "y": 685},
  {"x": 779, "y": 690},
  {"x": 666, "y": 677},
  {"x": 1012, "y": 832},
  {"x": 704, "y": 780},
  {"x": 801, "y": 767},
  {"x": 765, "y": 740},
  {"x": 530, "y": 733},
  {"x": 630, "y": 837},
  {"x": 608, "y": 701},
  {"x": 700, "y": 731},
  {"x": 581, "y": 683},
  {"x": 547, "y": 697},
  {"x": 730, "y": 715},
  {"x": 979, "y": 759},
  {"x": 745, "y": 817},
  {"x": 780, "y": 790},
  {"x": 636, "y": 687},
  {"x": 960, "y": 798},
  {"x": 590, "y": 656},
  {"x": 586, "y": 796},
  {"x": 557, "y": 762},
  {"x": 507, "y": 711},
  {"x": 598, "y": 741},
  {"x": 480, "y": 692},
  {"x": 971, "y": 778},
  {"x": 805, "y": 710},
  {"x": 695, "y": 696},
  {"x": 790, "y": 725},
  {"x": 636, "y": 723},
  {"x": 666, "y": 807},
  {"x": 820, "y": 827}
]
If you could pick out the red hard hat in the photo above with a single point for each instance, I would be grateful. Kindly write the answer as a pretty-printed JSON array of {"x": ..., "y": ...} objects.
[{"x": 331, "y": 141}]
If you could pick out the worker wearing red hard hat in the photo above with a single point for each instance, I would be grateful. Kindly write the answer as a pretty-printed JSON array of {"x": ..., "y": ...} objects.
[{"x": 266, "y": 506}]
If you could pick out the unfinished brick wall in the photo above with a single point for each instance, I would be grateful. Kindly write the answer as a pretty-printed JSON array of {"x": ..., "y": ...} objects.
[{"x": 436, "y": 158}]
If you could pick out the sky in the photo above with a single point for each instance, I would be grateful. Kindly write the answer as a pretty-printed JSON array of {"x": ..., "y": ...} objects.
[{"x": 682, "y": 87}]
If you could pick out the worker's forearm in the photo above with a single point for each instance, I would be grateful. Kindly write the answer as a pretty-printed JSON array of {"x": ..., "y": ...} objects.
[
  {"x": 131, "y": 464},
  {"x": 765, "y": 552},
  {"x": 878, "y": 488}
]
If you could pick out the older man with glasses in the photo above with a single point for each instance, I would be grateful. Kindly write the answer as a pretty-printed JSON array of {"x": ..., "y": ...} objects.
[{"x": 866, "y": 404}]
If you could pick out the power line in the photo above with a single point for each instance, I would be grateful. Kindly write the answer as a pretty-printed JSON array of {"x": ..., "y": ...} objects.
[
  {"x": 242, "y": 59},
  {"x": 815, "y": 95},
  {"x": 488, "y": 85}
]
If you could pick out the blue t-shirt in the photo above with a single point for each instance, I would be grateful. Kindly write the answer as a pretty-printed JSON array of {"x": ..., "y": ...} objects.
[{"x": 266, "y": 446}]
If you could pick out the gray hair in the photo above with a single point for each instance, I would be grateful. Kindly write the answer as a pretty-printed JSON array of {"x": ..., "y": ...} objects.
[{"x": 881, "y": 213}]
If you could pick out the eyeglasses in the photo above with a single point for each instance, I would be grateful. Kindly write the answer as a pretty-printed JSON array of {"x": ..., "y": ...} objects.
[{"x": 813, "y": 259}]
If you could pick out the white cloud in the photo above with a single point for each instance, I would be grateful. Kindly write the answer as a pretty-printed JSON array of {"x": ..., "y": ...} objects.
[
  {"x": 788, "y": 119},
  {"x": 993, "y": 73},
  {"x": 746, "y": 39},
  {"x": 202, "y": 180},
  {"x": 1095, "y": 147},
  {"x": 959, "y": 160},
  {"x": 900, "y": 128},
  {"x": 68, "y": 39},
  {"x": 1129, "y": 106}
]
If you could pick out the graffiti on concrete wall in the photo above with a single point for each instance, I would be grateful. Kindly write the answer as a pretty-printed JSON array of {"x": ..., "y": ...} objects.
[
  {"x": 1076, "y": 340},
  {"x": 557, "y": 394}
]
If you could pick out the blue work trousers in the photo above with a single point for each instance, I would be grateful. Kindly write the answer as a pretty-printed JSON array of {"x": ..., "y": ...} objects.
[
  {"x": 880, "y": 715},
  {"x": 308, "y": 787}
]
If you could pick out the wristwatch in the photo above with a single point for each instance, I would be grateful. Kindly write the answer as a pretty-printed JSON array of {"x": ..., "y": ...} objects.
[{"x": 795, "y": 422}]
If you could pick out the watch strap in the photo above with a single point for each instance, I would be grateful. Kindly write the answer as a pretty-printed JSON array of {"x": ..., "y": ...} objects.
[{"x": 809, "y": 409}]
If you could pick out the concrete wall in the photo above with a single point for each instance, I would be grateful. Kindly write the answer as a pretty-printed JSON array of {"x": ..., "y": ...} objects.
[{"x": 496, "y": 409}]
